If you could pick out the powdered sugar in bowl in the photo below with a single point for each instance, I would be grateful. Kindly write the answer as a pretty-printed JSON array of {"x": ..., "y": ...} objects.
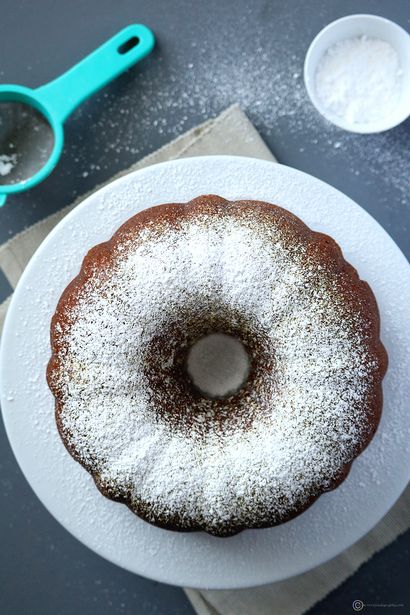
[{"x": 357, "y": 73}]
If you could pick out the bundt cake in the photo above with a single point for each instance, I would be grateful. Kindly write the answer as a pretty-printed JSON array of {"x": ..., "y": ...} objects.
[{"x": 213, "y": 285}]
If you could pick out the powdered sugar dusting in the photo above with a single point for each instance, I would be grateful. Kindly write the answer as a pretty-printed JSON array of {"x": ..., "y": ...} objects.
[
  {"x": 359, "y": 79},
  {"x": 311, "y": 408},
  {"x": 7, "y": 163}
]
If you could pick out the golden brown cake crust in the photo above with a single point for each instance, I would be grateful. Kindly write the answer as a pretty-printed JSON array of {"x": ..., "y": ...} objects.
[{"x": 355, "y": 295}]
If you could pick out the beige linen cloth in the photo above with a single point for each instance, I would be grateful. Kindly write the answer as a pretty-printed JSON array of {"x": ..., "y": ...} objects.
[{"x": 232, "y": 133}]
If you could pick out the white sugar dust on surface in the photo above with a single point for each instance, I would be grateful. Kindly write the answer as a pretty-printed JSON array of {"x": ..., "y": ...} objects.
[
  {"x": 359, "y": 80},
  {"x": 267, "y": 84}
]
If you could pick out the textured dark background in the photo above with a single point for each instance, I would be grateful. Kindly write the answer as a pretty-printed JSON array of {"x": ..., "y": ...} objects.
[{"x": 209, "y": 55}]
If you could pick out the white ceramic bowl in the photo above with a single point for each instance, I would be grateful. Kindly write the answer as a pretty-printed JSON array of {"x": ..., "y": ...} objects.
[{"x": 350, "y": 27}]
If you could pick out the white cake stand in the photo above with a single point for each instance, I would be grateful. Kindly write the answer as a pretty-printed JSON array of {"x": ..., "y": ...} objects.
[{"x": 254, "y": 557}]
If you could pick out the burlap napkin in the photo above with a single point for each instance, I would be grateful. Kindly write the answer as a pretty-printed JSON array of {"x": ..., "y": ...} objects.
[{"x": 231, "y": 133}]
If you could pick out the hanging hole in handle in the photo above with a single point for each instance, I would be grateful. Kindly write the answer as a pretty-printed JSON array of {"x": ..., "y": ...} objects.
[{"x": 128, "y": 45}]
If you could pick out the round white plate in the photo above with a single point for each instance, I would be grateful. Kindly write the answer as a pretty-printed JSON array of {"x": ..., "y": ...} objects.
[{"x": 254, "y": 557}]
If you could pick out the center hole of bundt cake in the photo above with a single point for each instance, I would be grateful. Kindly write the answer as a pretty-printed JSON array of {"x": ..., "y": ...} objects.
[{"x": 218, "y": 365}]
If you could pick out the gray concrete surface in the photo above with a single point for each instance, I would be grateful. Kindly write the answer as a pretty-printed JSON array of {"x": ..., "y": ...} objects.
[{"x": 209, "y": 55}]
